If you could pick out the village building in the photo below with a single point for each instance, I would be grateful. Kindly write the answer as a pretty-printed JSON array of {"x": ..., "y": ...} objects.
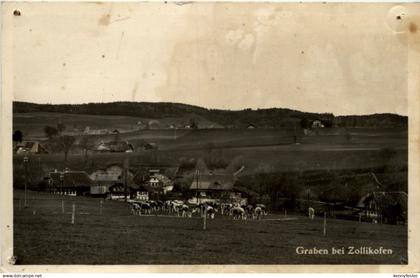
[
  {"x": 110, "y": 182},
  {"x": 89, "y": 131},
  {"x": 30, "y": 147},
  {"x": 73, "y": 183},
  {"x": 385, "y": 207},
  {"x": 317, "y": 124},
  {"x": 251, "y": 126},
  {"x": 153, "y": 124},
  {"x": 115, "y": 146},
  {"x": 157, "y": 180},
  {"x": 218, "y": 188},
  {"x": 149, "y": 146}
]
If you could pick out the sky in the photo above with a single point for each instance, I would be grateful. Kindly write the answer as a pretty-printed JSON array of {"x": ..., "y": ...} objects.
[{"x": 335, "y": 58}]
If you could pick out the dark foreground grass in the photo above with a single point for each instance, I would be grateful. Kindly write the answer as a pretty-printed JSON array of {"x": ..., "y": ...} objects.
[{"x": 116, "y": 237}]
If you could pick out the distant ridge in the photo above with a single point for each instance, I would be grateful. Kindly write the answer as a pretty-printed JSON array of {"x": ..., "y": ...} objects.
[{"x": 259, "y": 118}]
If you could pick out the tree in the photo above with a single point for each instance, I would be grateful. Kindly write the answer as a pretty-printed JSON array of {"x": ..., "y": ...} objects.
[
  {"x": 86, "y": 144},
  {"x": 50, "y": 131},
  {"x": 60, "y": 128},
  {"x": 65, "y": 143},
  {"x": 193, "y": 124},
  {"x": 305, "y": 123},
  {"x": 17, "y": 136}
]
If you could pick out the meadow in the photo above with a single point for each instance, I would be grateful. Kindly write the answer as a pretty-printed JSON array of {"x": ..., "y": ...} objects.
[{"x": 44, "y": 235}]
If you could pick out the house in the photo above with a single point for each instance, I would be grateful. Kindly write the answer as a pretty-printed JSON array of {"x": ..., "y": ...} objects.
[
  {"x": 149, "y": 146},
  {"x": 74, "y": 183},
  {"x": 157, "y": 180},
  {"x": 30, "y": 147},
  {"x": 89, "y": 131},
  {"x": 217, "y": 188},
  {"x": 140, "y": 193},
  {"x": 251, "y": 126},
  {"x": 115, "y": 146},
  {"x": 102, "y": 147},
  {"x": 153, "y": 124},
  {"x": 317, "y": 124},
  {"x": 385, "y": 207},
  {"x": 104, "y": 179}
]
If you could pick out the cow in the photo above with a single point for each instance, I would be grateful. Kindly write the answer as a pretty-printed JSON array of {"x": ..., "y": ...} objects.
[
  {"x": 135, "y": 208},
  {"x": 188, "y": 211},
  {"x": 145, "y": 208},
  {"x": 211, "y": 211},
  {"x": 238, "y": 213},
  {"x": 249, "y": 210},
  {"x": 263, "y": 209},
  {"x": 311, "y": 213},
  {"x": 258, "y": 212},
  {"x": 176, "y": 207}
]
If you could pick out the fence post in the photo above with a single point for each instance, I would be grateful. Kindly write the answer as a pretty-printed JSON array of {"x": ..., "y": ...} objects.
[
  {"x": 100, "y": 207},
  {"x": 285, "y": 213},
  {"x": 325, "y": 223},
  {"x": 73, "y": 214},
  {"x": 205, "y": 217},
  {"x": 62, "y": 206},
  {"x": 360, "y": 218},
  {"x": 20, "y": 204}
]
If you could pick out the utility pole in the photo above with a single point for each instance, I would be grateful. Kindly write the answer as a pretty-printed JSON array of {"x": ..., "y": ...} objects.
[
  {"x": 126, "y": 165},
  {"x": 197, "y": 172},
  {"x": 25, "y": 164},
  {"x": 308, "y": 199},
  {"x": 61, "y": 182}
]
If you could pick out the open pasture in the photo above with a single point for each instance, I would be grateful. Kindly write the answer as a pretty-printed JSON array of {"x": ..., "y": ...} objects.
[{"x": 44, "y": 235}]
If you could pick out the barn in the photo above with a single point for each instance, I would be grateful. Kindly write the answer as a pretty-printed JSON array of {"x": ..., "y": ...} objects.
[
  {"x": 217, "y": 188},
  {"x": 107, "y": 182},
  {"x": 30, "y": 147},
  {"x": 158, "y": 180},
  {"x": 385, "y": 207},
  {"x": 73, "y": 183}
]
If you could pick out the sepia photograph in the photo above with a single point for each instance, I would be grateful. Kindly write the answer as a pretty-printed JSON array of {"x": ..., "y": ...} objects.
[{"x": 209, "y": 133}]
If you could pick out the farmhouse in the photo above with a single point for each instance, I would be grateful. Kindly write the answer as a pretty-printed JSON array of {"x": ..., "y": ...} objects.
[
  {"x": 30, "y": 147},
  {"x": 217, "y": 188},
  {"x": 74, "y": 183},
  {"x": 104, "y": 179},
  {"x": 149, "y": 146},
  {"x": 385, "y": 207},
  {"x": 347, "y": 189},
  {"x": 89, "y": 131},
  {"x": 115, "y": 146},
  {"x": 156, "y": 179},
  {"x": 317, "y": 124}
]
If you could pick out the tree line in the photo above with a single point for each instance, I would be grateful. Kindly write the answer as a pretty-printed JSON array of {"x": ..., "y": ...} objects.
[{"x": 260, "y": 118}]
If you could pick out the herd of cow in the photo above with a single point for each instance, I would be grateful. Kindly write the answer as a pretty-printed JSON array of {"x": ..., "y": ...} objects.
[{"x": 181, "y": 209}]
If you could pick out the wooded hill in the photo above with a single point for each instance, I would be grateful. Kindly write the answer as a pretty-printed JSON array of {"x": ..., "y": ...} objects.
[{"x": 260, "y": 118}]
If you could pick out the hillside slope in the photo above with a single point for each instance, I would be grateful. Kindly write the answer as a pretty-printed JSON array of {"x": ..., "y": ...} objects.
[{"x": 260, "y": 118}]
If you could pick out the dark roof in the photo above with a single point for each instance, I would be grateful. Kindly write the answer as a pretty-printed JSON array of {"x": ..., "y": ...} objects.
[
  {"x": 213, "y": 182},
  {"x": 363, "y": 183},
  {"x": 245, "y": 191},
  {"x": 386, "y": 198},
  {"x": 71, "y": 179},
  {"x": 169, "y": 171}
]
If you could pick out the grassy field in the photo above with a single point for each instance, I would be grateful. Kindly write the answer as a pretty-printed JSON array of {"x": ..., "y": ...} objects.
[
  {"x": 258, "y": 150},
  {"x": 43, "y": 235},
  {"x": 32, "y": 124}
]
